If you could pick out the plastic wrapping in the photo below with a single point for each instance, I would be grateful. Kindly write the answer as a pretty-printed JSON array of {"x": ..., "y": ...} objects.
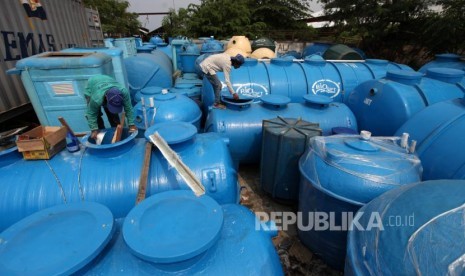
[
  {"x": 378, "y": 160},
  {"x": 422, "y": 234}
]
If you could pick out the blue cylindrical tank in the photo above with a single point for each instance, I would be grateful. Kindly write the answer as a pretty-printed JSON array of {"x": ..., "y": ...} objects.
[
  {"x": 241, "y": 122},
  {"x": 249, "y": 82},
  {"x": 284, "y": 141},
  {"x": 110, "y": 173},
  {"x": 452, "y": 61},
  {"x": 170, "y": 107},
  {"x": 339, "y": 174},
  {"x": 146, "y": 70},
  {"x": 316, "y": 48},
  {"x": 382, "y": 106},
  {"x": 418, "y": 231},
  {"x": 438, "y": 131},
  {"x": 287, "y": 78}
]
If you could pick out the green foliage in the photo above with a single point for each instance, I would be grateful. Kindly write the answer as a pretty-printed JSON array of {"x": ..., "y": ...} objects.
[
  {"x": 224, "y": 18},
  {"x": 114, "y": 18}
]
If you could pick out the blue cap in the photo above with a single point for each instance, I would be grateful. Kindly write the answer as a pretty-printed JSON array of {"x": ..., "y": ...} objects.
[
  {"x": 114, "y": 100},
  {"x": 239, "y": 59}
]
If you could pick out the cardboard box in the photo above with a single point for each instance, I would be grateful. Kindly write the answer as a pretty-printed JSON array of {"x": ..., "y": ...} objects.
[{"x": 42, "y": 142}]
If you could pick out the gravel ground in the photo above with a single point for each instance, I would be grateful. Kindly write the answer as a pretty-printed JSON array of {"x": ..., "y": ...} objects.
[{"x": 296, "y": 259}]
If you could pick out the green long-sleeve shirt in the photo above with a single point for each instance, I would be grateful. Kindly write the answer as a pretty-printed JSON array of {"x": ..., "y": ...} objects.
[{"x": 95, "y": 92}]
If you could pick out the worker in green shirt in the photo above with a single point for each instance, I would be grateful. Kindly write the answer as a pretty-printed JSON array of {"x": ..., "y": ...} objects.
[{"x": 104, "y": 91}]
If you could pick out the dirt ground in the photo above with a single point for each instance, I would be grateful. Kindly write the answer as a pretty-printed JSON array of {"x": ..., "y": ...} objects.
[{"x": 296, "y": 259}]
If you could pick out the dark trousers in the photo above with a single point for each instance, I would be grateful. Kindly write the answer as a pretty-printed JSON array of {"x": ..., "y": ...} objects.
[
  {"x": 217, "y": 86},
  {"x": 112, "y": 118}
]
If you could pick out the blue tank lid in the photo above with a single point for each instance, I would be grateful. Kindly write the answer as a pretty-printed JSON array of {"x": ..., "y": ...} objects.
[
  {"x": 315, "y": 59},
  {"x": 56, "y": 241},
  {"x": 318, "y": 99},
  {"x": 173, "y": 226},
  {"x": 448, "y": 75},
  {"x": 451, "y": 57},
  {"x": 405, "y": 77},
  {"x": 343, "y": 130},
  {"x": 281, "y": 61},
  {"x": 164, "y": 97},
  {"x": 361, "y": 145},
  {"x": 278, "y": 100},
  {"x": 184, "y": 86},
  {"x": 173, "y": 132}
]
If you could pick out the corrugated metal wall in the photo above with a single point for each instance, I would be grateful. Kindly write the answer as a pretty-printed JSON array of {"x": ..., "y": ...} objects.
[{"x": 27, "y": 29}]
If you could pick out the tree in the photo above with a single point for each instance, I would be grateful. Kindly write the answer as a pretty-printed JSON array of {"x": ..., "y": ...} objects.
[{"x": 114, "y": 18}]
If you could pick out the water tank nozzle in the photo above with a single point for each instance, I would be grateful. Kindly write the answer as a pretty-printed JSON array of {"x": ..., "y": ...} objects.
[
  {"x": 404, "y": 140},
  {"x": 365, "y": 135},
  {"x": 412, "y": 147}
]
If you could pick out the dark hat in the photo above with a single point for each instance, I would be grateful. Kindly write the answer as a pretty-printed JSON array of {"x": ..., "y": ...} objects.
[
  {"x": 239, "y": 59},
  {"x": 114, "y": 100}
]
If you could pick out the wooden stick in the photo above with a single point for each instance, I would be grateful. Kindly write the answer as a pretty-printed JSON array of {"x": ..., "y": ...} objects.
[
  {"x": 144, "y": 174},
  {"x": 119, "y": 129},
  {"x": 65, "y": 124}
]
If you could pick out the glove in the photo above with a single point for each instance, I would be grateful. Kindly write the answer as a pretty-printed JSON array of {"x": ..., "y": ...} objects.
[
  {"x": 94, "y": 134},
  {"x": 132, "y": 128},
  {"x": 236, "y": 96}
]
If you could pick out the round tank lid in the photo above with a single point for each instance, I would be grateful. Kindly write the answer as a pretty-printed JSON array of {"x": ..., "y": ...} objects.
[
  {"x": 164, "y": 97},
  {"x": 150, "y": 90},
  {"x": 376, "y": 61},
  {"x": 281, "y": 61},
  {"x": 445, "y": 73},
  {"x": 275, "y": 99},
  {"x": 406, "y": 75},
  {"x": 173, "y": 226},
  {"x": 315, "y": 59},
  {"x": 57, "y": 240},
  {"x": 184, "y": 86},
  {"x": 361, "y": 145},
  {"x": 318, "y": 99},
  {"x": 173, "y": 132}
]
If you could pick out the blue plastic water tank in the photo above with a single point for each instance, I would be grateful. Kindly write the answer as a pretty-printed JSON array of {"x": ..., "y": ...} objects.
[
  {"x": 284, "y": 141},
  {"x": 147, "y": 93},
  {"x": 186, "y": 87},
  {"x": 127, "y": 44},
  {"x": 421, "y": 232},
  {"x": 166, "y": 108},
  {"x": 339, "y": 174},
  {"x": 287, "y": 78},
  {"x": 438, "y": 130},
  {"x": 241, "y": 122},
  {"x": 55, "y": 83},
  {"x": 116, "y": 55},
  {"x": 382, "y": 106},
  {"x": 109, "y": 173},
  {"x": 452, "y": 61},
  {"x": 156, "y": 40},
  {"x": 167, "y": 49},
  {"x": 146, "y": 70},
  {"x": 211, "y": 46}
]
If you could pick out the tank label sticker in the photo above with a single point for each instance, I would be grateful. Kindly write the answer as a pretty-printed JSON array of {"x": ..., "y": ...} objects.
[
  {"x": 327, "y": 87},
  {"x": 367, "y": 101},
  {"x": 62, "y": 88},
  {"x": 253, "y": 90}
]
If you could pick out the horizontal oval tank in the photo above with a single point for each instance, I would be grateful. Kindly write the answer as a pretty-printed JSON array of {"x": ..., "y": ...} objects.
[
  {"x": 241, "y": 122},
  {"x": 341, "y": 173},
  {"x": 418, "y": 231},
  {"x": 451, "y": 61},
  {"x": 146, "y": 70},
  {"x": 438, "y": 131},
  {"x": 110, "y": 173},
  {"x": 382, "y": 106}
]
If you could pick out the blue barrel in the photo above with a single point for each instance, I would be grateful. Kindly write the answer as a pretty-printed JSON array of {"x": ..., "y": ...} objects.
[
  {"x": 55, "y": 83},
  {"x": 241, "y": 122},
  {"x": 452, "y": 61},
  {"x": 284, "y": 141},
  {"x": 382, "y": 106},
  {"x": 438, "y": 131},
  {"x": 116, "y": 57},
  {"x": 339, "y": 174},
  {"x": 110, "y": 173},
  {"x": 169, "y": 107},
  {"x": 316, "y": 48},
  {"x": 146, "y": 70},
  {"x": 418, "y": 231}
]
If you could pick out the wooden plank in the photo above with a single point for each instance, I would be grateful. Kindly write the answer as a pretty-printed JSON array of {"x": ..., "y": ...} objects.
[{"x": 144, "y": 174}]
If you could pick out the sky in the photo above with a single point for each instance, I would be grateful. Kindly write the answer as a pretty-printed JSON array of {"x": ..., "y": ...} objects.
[{"x": 152, "y": 22}]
